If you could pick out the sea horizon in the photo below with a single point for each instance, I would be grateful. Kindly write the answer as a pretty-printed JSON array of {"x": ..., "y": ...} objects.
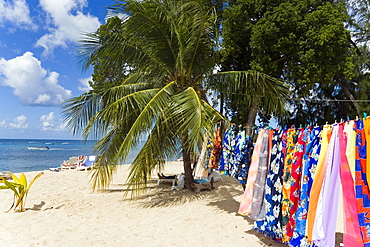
[{"x": 15, "y": 156}]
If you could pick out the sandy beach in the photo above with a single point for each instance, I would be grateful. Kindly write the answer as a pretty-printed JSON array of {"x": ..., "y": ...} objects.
[{"x": 62, "y": 210}]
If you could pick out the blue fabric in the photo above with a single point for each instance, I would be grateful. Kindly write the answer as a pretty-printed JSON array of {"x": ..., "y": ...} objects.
[{"x": 271, "y": 225}]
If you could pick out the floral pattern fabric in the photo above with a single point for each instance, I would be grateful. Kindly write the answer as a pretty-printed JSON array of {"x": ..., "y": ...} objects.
[{"x": 271, "y": 225}]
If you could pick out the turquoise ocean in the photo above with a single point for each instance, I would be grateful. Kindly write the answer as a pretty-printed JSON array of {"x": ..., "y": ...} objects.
[{"x": 15, "y": 156}]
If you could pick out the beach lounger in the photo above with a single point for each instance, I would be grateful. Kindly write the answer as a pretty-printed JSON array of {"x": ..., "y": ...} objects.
[
  {"x": 70, "y": 163},
  {"x": 88, "y": 164},
  {"x": 166, "y": 179}
]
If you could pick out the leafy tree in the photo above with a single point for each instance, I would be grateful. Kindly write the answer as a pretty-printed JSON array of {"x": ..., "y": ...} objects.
[
  {"x": 303, "y": 42},
  {"x": 170, "y": 48}
]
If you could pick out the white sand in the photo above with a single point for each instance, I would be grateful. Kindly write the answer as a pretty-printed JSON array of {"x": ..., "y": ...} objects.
[{"x": 63, "y": 211}]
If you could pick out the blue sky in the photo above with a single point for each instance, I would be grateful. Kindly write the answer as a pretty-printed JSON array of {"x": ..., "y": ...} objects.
[{"x": 38, "y": 66}]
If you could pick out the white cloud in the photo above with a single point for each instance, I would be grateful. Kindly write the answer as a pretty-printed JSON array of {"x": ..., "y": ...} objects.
[
  {"x": 84, "y": 84},
  {"x": 67, "y": 23},
  {"x": 31, "y": 82},
  {"x": 19, "y": 122},
  {"x": 50, "y": 122},
  {"x": 16, "y": 12}
]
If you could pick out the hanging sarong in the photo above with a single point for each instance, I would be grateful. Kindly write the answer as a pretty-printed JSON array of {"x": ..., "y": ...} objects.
[
  {"x": 362, "y": 189},
  {"x": 367, "y": 136},
  {"x": 200, "y": 171},
  {"x": 318, "y": 180},
  {"x": 309, "y": 163},
  {"x": 295, "y": 181},
  {"x": 245, "y": 160},
  {"x": 287, "y": 181},
  {"x": 246, "y": 203},
  {"x": 238, "y": 147},
  {"x": 258, "y": 211},
  {"x": 271, "y": 225},
  {"x": 226, "y": 153},
  {"x": 327, "y": 208},
  {"x": 216, "y": 151},
  {"x": 350, "y": 133},
  {"x": 352, "y": 234}
]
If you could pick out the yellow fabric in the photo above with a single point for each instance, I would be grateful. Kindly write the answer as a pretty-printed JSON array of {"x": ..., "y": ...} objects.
[
  {"x": 318, "y": 180},
  {"x": 351, "y": 146}
]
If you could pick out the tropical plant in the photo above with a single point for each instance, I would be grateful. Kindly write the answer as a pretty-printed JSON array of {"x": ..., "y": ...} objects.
[
  {"x": 169, "y": 49},
  {"x": 20, "y": 189}
]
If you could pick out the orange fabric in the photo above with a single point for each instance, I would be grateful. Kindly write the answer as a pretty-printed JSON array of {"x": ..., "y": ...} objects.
[{"x": 318, "y": 180}]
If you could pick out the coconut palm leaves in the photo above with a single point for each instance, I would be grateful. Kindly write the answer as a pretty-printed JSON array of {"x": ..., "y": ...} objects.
[{"x": 168, "y": 49}]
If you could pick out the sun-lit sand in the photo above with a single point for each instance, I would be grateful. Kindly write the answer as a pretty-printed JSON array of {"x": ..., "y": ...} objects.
[{"x": 62, "y": 210}]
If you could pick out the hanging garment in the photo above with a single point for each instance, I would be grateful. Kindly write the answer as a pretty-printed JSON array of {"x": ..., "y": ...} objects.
[
  {"x": 309, "y": 164},
  {"x": 352, "y": 234},
  {"x": 350, "y": 133},
  {"x": 227, "y": 150},
  {"x": 271, "y": 225},
  {"x": 246, "y": 203},
  {"x": 200, "y": 171},
  {"x": 258, "y": 211},
  {"x": 327, "y": 207},
  {"x": 318, "y": 180},
  {"x": 362, "y": 189},
  {"x": 287, "y": 181},
  {"x": 216, "y": 150},
  {"x": 296, "y": 174},
  {"x": 367, "y": 136},
  {"x": 238, "y": 147},
  {"x": 245, "y": 160}
]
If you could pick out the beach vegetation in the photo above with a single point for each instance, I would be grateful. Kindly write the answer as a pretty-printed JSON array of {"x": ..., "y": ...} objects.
[
  {"x": 167, "y": 52},
  {"x": 20, "y": 188}
]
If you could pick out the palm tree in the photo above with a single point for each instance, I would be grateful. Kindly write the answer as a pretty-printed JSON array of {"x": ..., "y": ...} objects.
[{"x": 169, "y": 48}]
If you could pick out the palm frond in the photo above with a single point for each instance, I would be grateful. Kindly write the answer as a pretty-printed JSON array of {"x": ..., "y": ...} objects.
[
  {"x": 78, "y": 111},
  {"x": 161, "y": 144},
  {"x": 254, "y": 86},
  {"x": 194, "y": 117}
]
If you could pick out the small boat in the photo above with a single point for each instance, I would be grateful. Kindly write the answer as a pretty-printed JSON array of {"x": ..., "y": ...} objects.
[
  {"x": 49, "y": 143},
  {"x": 64, "y": 143},
  {"x": 38, "y": 148}
]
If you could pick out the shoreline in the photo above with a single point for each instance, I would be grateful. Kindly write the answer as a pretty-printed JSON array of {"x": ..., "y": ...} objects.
[{"x": 62, "y": 210}]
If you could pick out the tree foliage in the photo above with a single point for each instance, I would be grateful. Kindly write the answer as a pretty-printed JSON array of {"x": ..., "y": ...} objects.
[
  {"x": 170, "y": 48},
  {"x": 304, "y": 42}
]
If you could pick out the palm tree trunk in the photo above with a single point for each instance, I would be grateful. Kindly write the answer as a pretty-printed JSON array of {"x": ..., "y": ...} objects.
[
  {"x": 189, "y": 179},
  {"x": 252, "y": 117}
]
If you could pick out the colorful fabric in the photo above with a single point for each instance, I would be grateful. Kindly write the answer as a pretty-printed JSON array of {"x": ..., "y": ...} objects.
[
  {"x": 227, "y": 150},
  {"x": 216, "y": 150},
  {"x": 367, "y": 136},
  {"x": 271, "y": 225},
  {"x": 326, "y": 214},
  {"x": 352, "y": 234},
  {"x": 246, "y": 203},
  {"x": 238, "y": 146},
  {"x": 244, "y": 160},
  {"x": 296, "y": 174},
  {"x": 287, "y": 181},
  {"x": 362, "y": 189},
  {"x": 309, "y": 164},
  {"x": 318, "y": 181},
  {"x": 258, "y": 211}
]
